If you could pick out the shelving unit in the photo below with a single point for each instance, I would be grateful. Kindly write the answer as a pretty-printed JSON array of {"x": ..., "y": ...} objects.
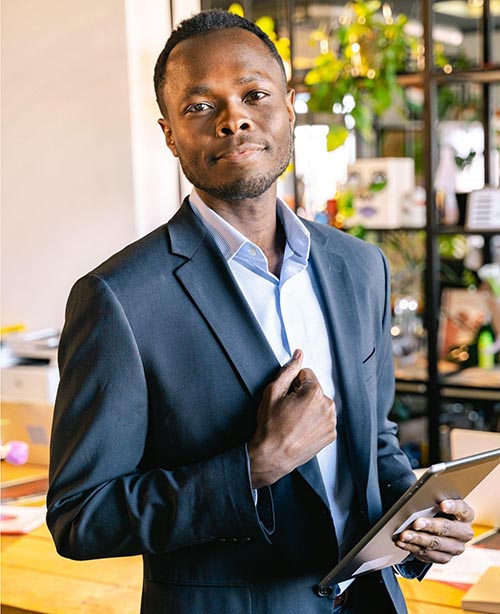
[
  {"x": 431, "y": 389},
  {"x": 437, "y": 389}
]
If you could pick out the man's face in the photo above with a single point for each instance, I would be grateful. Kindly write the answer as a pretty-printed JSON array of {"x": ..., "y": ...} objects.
[{"x": 230, "y": 118}]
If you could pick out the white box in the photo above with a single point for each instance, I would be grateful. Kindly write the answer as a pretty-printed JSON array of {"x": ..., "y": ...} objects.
[
  {"x": 30, "y": 384},
  {"x": 483, "y": 209},
  {"x": 383, "y": 207}
]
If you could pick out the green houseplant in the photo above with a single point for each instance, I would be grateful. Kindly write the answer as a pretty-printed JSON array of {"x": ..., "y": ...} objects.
[{"x": 361, "y": 56}]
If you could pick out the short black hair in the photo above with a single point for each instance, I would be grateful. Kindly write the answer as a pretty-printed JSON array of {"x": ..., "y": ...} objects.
[{"x": 201, "y": 23}]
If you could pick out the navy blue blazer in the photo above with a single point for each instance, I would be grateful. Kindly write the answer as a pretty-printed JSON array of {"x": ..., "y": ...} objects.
[{"x": 162, "y": 369}]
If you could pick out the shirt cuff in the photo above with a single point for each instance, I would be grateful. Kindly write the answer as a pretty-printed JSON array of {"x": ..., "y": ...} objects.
[{"x": 255, "y": 494}]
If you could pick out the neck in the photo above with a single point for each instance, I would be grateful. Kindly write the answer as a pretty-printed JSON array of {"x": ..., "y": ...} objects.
[{"x": 257, "y": 220}]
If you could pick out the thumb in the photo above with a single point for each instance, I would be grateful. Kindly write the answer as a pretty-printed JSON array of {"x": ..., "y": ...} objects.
[{"x": 286, "y": 375}]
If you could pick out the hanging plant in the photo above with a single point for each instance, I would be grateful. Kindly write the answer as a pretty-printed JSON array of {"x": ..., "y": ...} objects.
[{"x": 361, "y": 57}]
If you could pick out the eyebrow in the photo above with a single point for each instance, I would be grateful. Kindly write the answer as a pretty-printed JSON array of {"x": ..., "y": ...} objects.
[
  {"x": 252, "y": 77},
  {"x": 196, "y": 90}
]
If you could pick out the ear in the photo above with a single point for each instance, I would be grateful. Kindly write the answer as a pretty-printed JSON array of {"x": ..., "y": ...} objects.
[
  {"x": 290, "y": 100},
  {"x": 169, "y": 138}
]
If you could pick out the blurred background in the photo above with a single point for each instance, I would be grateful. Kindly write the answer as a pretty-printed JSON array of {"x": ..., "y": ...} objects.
[{"x": 397, "y": 141}]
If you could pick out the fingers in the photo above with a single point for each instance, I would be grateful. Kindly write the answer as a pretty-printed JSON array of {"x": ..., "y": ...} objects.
[
  {"x": 295, "y": 420},
  {"x": 430, "y": 548},
  {"x": 457, "y": 508},
  {"x": 286, "y": 376},
  {"x": 444, "y": 527},
  {"x": 438, "y": 539}
]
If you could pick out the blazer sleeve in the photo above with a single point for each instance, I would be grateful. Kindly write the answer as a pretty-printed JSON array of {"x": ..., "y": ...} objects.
[
  {"x": 101, "y": 503},
  {"x": 395, "y": 474}
]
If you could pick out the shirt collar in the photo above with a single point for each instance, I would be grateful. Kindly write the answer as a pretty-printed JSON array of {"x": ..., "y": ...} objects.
[{"x": 230, "y": 241}]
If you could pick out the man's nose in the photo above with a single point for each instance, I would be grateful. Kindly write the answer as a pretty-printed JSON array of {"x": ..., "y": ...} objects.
[{"x": 232, "y": 119}]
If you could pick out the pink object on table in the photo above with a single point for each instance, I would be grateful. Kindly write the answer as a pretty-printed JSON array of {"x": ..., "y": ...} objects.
[{"x": 17, "y": 452}]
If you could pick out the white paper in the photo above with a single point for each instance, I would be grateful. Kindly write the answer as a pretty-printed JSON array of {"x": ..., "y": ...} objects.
[
  {"x": 19, "y": 519},
  {"x": 466, "y": 568},
  {"x": 380, "y": 563},
  {"x": 430, "y": 512}
]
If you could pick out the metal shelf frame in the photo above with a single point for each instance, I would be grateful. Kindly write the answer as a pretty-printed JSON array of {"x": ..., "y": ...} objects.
[{"x": 432, "y": 78}]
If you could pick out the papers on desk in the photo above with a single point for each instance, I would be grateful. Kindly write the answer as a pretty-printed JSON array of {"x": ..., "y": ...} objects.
[
  {"x": 466, "y": 568},
  {"x": 18, "y": 519},
  {"x": 484, "y": 596}
]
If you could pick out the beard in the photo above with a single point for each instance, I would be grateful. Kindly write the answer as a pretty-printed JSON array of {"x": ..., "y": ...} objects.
[{"x": 247, "y": 187}]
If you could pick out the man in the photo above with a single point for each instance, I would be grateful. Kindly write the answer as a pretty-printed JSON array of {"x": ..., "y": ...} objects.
[{"x": 177, "y": 434}]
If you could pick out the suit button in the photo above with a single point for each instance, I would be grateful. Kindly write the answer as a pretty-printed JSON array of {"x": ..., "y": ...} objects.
[
  {"x": 233, "y": 539},
  {"x": 247, "y": 539},
  {"x": 323, "y": 591},
  {"x": 223, "y": 539}
]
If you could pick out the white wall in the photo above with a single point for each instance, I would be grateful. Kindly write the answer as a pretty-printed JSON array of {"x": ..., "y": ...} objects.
[
  {"x": 74, "y": 185},
  {"x": 156, "y": 172}
]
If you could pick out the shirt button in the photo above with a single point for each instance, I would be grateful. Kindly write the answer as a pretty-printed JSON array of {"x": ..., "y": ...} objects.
[{"x": 252, "y": 251}]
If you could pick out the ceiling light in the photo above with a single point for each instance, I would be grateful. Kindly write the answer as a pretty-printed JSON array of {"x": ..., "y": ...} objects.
[{"x": 466, "y": 9}]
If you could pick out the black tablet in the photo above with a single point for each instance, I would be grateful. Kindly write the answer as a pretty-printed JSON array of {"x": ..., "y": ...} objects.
[{"x": 448, "y": 480}]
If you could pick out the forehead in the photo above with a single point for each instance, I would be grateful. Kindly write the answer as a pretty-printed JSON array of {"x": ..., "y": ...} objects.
[{"x": 211, "y": 55}]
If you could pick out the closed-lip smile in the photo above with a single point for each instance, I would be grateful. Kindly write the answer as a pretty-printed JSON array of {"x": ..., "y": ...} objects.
[{"x": 240, "y": 153}]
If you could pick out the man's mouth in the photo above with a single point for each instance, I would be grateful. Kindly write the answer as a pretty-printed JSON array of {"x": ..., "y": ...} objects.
[{"x": 241, "y": 153}]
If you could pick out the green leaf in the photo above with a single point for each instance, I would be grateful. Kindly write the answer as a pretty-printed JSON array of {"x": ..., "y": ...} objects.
[
  {"x": 382, "y": 98},
  {"x": 336, "y": 137},
  {"x": 377, "y": 186},
  {"x": 363, "y": 116}
]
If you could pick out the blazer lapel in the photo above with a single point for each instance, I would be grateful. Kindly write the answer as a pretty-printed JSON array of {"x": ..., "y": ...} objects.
[
  {"x": 207, "y": 279},
  {"x": 339, "y": 294},
  {"x": 311, "y": 473}
]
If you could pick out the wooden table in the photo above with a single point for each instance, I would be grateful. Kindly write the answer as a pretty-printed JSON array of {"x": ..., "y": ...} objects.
[
  {"x": 36, "y": 580},
  {"x": 429, "y": 597}
]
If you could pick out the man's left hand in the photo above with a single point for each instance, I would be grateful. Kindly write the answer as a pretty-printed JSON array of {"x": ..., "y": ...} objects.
[{"x": 438, "y": 539}]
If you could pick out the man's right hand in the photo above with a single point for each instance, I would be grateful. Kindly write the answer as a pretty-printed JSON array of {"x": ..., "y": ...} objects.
[{"x": 295, "y": 420}]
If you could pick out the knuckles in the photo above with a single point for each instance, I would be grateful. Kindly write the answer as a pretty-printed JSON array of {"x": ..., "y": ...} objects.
[{"x": 434, "y": 544}]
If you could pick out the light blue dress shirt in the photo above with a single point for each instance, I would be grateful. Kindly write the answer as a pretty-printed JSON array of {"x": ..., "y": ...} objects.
[{"x": 290, "y": 315}]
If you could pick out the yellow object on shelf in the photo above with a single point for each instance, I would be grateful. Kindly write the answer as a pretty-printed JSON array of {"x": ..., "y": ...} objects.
[{"x": 12, "y": 328}]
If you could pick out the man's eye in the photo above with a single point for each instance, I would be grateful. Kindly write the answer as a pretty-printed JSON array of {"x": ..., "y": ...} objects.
[
  {"x": 253, "y": 96},
  {"x": 198, "y": 107}
]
